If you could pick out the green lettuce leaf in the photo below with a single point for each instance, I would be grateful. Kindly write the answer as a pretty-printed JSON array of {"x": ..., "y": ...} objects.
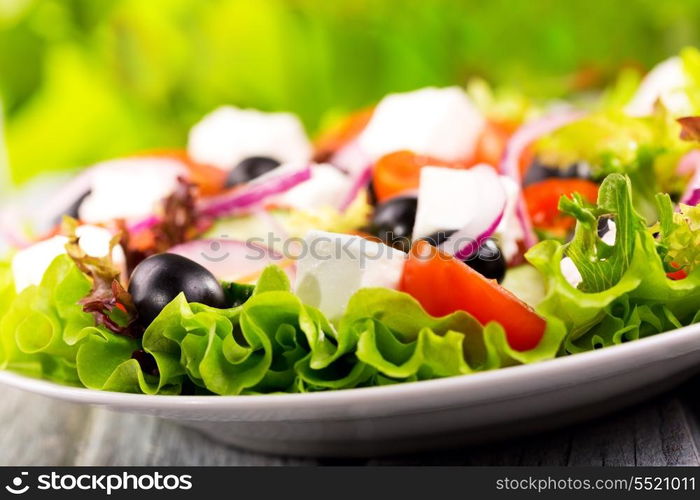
[
  {"x": 42, "y": 325},
  {"x": 625, "y": 293},
  {"x": 269, "y": 342},
  {"x": 679, "y": 234}
]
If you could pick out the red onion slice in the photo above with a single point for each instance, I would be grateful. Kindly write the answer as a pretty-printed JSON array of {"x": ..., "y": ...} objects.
[
  {"x": 694, "y": 198},
  {"x": 233, "y": 260},
  {"x": 251, "y": 195},
  {"x": 360, "y": 182},
  {"x": 690, "y": 164},
  {"x": 523, "y": 137}
]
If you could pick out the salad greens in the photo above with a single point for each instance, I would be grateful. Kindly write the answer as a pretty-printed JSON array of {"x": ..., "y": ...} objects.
[
  {"x": 270, "y": 343},
  {"x": 625, "y": 293}
]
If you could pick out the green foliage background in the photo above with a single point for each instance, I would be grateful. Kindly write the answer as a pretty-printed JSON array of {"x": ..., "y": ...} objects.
[{"x": 84, "y": 80}]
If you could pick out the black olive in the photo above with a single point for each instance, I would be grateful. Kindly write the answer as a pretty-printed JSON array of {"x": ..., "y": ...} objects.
[
  {"x": 438, "y": 238},
  {"x": 249, "y": 169},
  {"x": 539, "y": 172},
  {"x": 73, "y": 209},
  {"x": 393, "y": 221},
  {"x": 159, "y": 279},
  {"x": 488, "y": 260}
]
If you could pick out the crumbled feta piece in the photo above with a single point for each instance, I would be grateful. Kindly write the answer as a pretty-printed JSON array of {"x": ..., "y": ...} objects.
[
  {"x": 228, "y": 135},
  {"x": 332, "y": 267},
  {"x": 129, "y": 188},
  {"x": 439, "y": 122},
  {"x": 30, "y": 264}
]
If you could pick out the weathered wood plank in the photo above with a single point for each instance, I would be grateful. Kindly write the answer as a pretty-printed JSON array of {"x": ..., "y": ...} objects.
[
  {"x": 122, "y": 439},
  {"x": 658, "y": 432},
  {"x": 38, "y": 430}
]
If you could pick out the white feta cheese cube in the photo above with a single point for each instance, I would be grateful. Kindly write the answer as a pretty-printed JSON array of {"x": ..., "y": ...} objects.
[
  {"x": 129, "y": 188},
  {"x": 30, "y": 264},
  {"x": 451, "y": 199},
  {"x": 332, "y": 267},
  {"x": 228, "y": 135},
  {"x": 439, "y": 122}
]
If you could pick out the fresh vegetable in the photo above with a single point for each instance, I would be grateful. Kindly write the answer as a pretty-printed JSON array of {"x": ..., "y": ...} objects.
[
  {"x": 624, "y": 293},
  {"x": 253, "y": 194},
  {"x": 232, "y": 260},
  {"x": 399, "y": 172},
  {"x": 393, "y": 220},
  {"x": 679, "y": 235},
  {"x": 542, "y": 201},
  {"x": 249, "y": 169},
  {"x": 159, "y": 279},
  {"x": 488, "y": 260},
  {"x": 443, "y": 284},
  {"x": 335, "y": 139}
]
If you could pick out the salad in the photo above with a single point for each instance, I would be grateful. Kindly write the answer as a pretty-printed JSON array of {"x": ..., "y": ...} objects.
[{"x": 442, "y": 232}]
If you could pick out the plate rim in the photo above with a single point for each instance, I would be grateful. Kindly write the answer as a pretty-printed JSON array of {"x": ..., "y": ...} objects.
[{"x": 645, "y": 346}]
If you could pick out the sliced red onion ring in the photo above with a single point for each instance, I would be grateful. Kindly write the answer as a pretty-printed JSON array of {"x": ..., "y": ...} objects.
[
  {"x": 523, "y": 137},
  {"x": 250, "y": 196},
  {"x": 690, "y": 164},
  {"x": 360, "y": 182},
  {"x": 694, "y": 198},
  {"x": 489, "y": 195},
  {"x": 232, "y": 260}
]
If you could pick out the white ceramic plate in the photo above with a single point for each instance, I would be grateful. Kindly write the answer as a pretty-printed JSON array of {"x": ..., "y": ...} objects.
[{"x": 421, "y": 415}]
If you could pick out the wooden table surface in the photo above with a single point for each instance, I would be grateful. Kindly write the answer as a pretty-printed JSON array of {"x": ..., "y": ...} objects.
[{"x": 40, "y": 431}]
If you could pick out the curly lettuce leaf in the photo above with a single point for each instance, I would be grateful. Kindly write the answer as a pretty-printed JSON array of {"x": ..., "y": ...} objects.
[
  {"x": 602, "y": 265},
  {"x": 269, "y": 342},
  {"x": 679, "y": 234},
  {"x": 42, "y": 325},
  {"x": 625, "y": 293}
]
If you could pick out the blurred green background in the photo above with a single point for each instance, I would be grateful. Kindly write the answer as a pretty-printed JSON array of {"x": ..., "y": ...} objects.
[{"x": 84, "y": 80}]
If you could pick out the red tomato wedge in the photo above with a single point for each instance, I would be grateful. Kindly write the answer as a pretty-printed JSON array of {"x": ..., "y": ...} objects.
[
  {"x": 211, "y": 180},
  {"x": 399, "y": 172},
  {"x": 542, "y": 201},
  {"x": 444, "y": 285},
  {"x": 334, "y": 139}
]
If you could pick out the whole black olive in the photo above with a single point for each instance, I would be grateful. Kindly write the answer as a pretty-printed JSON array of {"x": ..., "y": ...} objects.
[
  {"x": 249, "y": 169},
  {"x": 73, "y": 208},
  {"x": 487, "y": 261},
  {"x": 539, "y": 172},
  {"x": 159, "y": 279},
  {"x": 393, "y": 221}
]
